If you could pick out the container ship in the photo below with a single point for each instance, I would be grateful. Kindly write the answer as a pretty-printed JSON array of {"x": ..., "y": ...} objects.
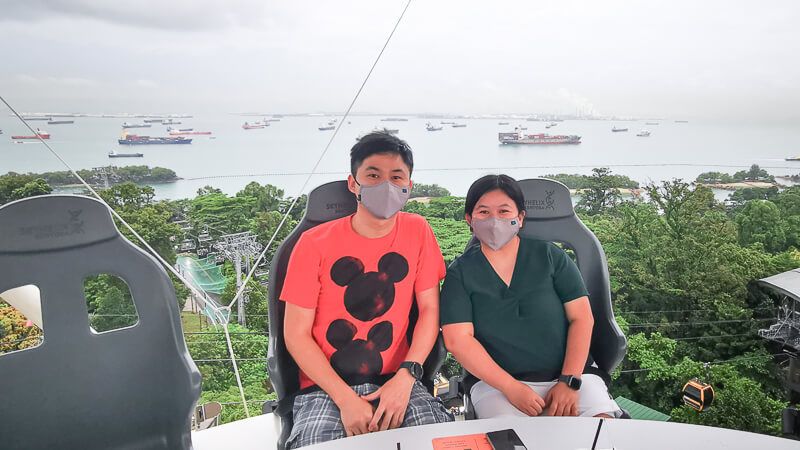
[
  {"x": 520, "y": 138},
  {"x": 39, "y": 134},
  {"x": 132, "y": 139}
]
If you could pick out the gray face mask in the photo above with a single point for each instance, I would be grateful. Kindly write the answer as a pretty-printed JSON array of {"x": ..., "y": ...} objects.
[
  {"x": 383, "y": 200},
  {"x": 495, "y": 232}
]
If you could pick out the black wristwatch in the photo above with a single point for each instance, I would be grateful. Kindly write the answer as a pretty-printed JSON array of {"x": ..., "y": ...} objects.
[
  {"x": 413, "y": 367},
  {"x": 571, "y": 381}
]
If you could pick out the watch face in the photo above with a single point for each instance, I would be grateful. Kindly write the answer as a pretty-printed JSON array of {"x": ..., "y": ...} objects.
[
  {"x": 416, "y": 370},
  {"x": 574, "y": 383}
]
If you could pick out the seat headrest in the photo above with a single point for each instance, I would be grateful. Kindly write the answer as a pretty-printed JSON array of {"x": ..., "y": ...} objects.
[
  {"x": 330, "y": 201},
  {"x": 62, "y": 221},
  {"x": 546, "y": 199}
]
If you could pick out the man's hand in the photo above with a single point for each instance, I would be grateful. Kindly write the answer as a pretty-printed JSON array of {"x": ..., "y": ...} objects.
[
  {"x": 524, "y": 398},
  {"x": 356, "y": 414},
  {"x": 394, "y": 395},
  {"x": 562, "y": 400}
]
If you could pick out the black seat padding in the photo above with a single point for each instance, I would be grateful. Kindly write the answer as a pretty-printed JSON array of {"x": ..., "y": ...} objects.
[
  {"x": 133, "y": 388},
  {"x": 327, "y": 202}
]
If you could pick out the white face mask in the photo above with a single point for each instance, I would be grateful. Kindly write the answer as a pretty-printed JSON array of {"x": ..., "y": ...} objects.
[
  {"x": 495, "y": 232},
  {"x": 383, "y": 200}
]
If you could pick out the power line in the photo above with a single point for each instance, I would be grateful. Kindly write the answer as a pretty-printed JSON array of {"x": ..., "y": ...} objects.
[
  {"x": 702, "y": 322},
  {"x": 701, "y": 363},
  {"x": 692, "y": 310},
  {"x": 229, "y": 360}
]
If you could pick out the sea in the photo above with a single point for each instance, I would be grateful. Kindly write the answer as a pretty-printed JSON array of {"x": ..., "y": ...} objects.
[{"x": 290, "y": 153}]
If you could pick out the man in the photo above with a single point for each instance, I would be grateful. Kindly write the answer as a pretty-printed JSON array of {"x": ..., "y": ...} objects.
[{"x": 349, "y": 291}]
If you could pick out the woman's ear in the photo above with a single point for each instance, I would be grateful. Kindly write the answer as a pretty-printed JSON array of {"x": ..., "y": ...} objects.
[
  {"x": 521, "y": 218},
  {"x": 469, "y": 219}
]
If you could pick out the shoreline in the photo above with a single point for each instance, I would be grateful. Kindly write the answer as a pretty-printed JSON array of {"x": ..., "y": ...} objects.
[{"x": 741, "y": 185}]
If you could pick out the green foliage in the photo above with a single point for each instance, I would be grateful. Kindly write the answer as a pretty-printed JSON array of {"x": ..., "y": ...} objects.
[
  {"x": 451, "y": 366},
  {"x": 441, "y": 208},
  {"x": 255, "y": 310},
  {"x": 235, "y": 410},
  {"x": 714, "y": 178},
  {"x": 231, "y": 214},
  {"x": 14, "y": 186},
  {"x": 578, "y": 181},
  {"x": 267, "y": 197},
  {"x": 15, "y": 334},
  {"x": 219, "y": 375},
  {"x": 265, "y": 225},
  {"x": 428, "y": 190},
  {"x": 452, "y": 236},
  {"x": 760, "y": 223},
  {"x": 600, "y": 192}
]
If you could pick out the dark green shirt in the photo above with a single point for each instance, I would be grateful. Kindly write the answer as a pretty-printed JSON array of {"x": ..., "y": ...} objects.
[{"x": 523, "y": 326}]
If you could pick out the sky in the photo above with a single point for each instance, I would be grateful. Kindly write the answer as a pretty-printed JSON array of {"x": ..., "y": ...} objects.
[{"x": 676, "y": 59}]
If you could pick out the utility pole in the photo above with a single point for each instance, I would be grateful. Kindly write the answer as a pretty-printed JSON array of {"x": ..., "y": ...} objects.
[{"x": 239, "y": 248}]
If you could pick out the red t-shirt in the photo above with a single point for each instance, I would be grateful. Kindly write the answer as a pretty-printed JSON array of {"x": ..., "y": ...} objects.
[{"x": 362, "y": 290}]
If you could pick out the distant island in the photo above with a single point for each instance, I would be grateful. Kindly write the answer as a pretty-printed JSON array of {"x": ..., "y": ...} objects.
[{"x": 116, "y": 175}]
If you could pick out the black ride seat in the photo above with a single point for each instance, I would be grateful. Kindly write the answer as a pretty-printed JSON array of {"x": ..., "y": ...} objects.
[
  {"x": 132, "y": 388},
  {"x": 327, "y": 202},
  {"x": 549, "y": 216}
]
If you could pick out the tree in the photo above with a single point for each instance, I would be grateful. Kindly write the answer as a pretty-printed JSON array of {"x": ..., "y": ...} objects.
[
  {"x": 31, "y": 189},
  {"x": 14, "y": 186},
  {"x": 268, "y": 197},
  {"x": 760, "y": 222},
  {"x": 265, "y": 225},
  {"x": 231, "y": 214},
  {"x": 428, "y": 190},
  {"x": 600, "y": 192}
]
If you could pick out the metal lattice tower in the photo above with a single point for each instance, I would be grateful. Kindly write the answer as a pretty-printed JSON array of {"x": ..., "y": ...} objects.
[
  {"x": 240, "y": 248},
  {"x": 787, "y": 330},
  {"x": 105, "y": 173}
]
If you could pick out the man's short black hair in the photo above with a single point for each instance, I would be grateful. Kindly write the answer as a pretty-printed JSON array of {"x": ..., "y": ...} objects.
[
  {"x": 491, "y": 183},
  {"x": 379, "y": 142}
]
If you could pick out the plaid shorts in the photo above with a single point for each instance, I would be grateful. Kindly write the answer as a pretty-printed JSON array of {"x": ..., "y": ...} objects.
[{"x": 317, "y": 419}]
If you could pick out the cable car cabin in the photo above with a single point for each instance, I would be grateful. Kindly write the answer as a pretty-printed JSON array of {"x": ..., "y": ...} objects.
[
  {"x": 187, "y": 244},
  {"x": 698, "y": 394}
]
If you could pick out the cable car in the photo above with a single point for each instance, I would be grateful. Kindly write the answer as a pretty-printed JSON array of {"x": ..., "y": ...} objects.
[{"x": 698, "y": 394}]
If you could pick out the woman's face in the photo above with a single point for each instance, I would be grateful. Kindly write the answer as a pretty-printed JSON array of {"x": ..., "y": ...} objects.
[{"x": 495, "y": 203}]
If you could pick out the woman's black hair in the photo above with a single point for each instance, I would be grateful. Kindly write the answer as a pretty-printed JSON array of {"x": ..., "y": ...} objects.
[
  {"x": 491, "y": 183},
  {"x": 379, "y": 142}
]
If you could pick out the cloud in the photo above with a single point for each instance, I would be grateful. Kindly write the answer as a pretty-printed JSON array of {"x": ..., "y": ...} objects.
[
  {"x": 60, "y": 81},
  {"x": 174, "y": 14}
]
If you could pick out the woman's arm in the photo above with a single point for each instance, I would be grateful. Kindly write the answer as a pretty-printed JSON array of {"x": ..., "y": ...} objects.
[
  {"x": 460, "y": 340},
  {"x": 562, "y": 400}
]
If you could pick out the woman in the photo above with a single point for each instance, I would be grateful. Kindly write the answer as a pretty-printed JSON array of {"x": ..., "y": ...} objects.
[{"x": 516, "y": 314}]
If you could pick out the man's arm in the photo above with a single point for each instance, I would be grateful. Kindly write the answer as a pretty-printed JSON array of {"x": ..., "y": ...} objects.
[
  {"x": 395, "y": 393},
  {"x": 356, "y": 412}
]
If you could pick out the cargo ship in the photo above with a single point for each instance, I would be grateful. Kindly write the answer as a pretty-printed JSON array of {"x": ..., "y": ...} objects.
[
  {"x": 135, "y": 125},
  {"x": 113, "y": 154},
  {"x": 60, "y": 122},
  {"x": 39, "y": 134},
  {"x": 184, "y": 131},
  {"x": 252, "y": 126},
  {"x": 132, "y": 139},
  {"x": 542, "y": 139}
]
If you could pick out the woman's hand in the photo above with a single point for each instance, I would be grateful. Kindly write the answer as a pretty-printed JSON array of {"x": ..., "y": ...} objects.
[
  {"x": 562, "y": 400},
  {"x": 524, "y": 398}
]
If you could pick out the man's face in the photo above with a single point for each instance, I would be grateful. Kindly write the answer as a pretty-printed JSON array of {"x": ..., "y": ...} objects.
[{"x": 378, "y": 168}]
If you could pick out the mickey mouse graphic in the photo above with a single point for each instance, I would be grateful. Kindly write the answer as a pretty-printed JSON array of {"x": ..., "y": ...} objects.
[{"x": 367, "y": 296}]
